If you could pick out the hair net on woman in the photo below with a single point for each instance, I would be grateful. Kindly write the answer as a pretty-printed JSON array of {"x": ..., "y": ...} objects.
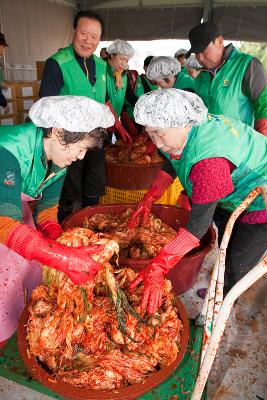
[
  {"x": 167, "y": 108},
  {"x": 72, "y": 113},
  {"x": 120, "y": 47},
  {"x": 163, "y": 67},
  {"x": 180, "y": 52},
  {"x": 192, "y": 62}
]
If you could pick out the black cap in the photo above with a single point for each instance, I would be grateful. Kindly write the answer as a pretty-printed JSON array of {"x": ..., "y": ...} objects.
[
  {"x": 201, "y": 35},
  {"x": 3, "y": 40}
]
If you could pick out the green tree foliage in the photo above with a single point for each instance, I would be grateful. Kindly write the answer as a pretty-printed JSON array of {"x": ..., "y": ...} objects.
[{"x": 258, "y": 50}]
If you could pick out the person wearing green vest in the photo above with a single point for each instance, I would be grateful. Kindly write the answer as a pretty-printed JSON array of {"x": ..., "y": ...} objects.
[
  {"x": 123, "y": 85},
  {"x": 139, "y": 85},
  {"x": 180, "y": 55},
  {"x": 75, "y": 70},
  {"x": 33, "y": 161},
  {"x": 193, "y": 67},
  {"x": 219, "y": 161},
  {"x": 147, "y": 85},
  {"x": 166, "y": 73},
  {"x": 230, "y": 83}
]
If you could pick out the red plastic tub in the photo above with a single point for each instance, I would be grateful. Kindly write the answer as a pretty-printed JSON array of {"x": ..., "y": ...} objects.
[
  {"x": 78, "y": 393},
  {"x": 184, "y": 274},
  {"x": 126, "y": 176}
]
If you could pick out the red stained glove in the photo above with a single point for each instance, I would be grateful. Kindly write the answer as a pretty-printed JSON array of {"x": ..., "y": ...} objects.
[
  {"x": 183, "y": 201},
  {"x": 142, "y": 138},
  {"x": 153, "y": 275},
  {"x": 50, "y": 229},
  {"x": 151, "y": 148},
  {"x": 261, "y": 126},
  {"x": 129, "y": 124},
  {"x": 75, "y": 262},
  {"x": 158, "y": 187},
  {"x": 118, "y": 126}
]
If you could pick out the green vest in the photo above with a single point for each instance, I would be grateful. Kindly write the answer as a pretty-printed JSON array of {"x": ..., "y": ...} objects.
[
  {"x": 184, "y": 81},
  {"x": 235, "y": 141},
  {"x": 184, "y": 71},
  {"x": 139, "y": 91},
  {"x": 116, "y": 96},
  {"x": 25, "y": 142},
  {"x": 147, "y": 85},
  {"x": 223, "y": 94},
  {"x": 75, "y": 81}
]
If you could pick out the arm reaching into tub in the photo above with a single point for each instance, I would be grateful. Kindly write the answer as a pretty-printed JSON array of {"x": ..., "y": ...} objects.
[
  {"x": 77, "y": 262},
  {"x": 152, "y": 276},
  {"x": 158, "y": 187}
]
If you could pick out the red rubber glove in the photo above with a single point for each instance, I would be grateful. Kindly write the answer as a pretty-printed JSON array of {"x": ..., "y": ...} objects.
[
  {"x": 183, "y": 201},
  {"x": 75, "y": 262},
  {"x": 118, "y": 126},
  {"x": 142, "y": 138},
  {"x": 261, "y": 126},
  {"x": 129, "y": 124},
  {"x": 50, "y": 229},
  {"x": 158, "y": 187},
  {"x": 151, "y": 148},
  {"x": 153, "y": 275}
]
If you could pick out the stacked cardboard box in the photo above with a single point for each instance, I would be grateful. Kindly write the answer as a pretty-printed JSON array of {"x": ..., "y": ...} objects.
[
  {"x": 20, "y": 96},
  {"x": 8, "y": 116}
]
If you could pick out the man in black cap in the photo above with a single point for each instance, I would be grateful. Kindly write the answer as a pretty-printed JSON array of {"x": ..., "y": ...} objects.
[
  {"x": 230, "y": 83},
  {"x": 3, "y": 45}
]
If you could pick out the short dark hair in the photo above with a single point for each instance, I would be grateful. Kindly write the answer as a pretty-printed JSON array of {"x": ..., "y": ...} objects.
[
  {"x": 147, "y": 61},
  {"x": 66, "y": 137},
  {"x": 88, "y": 14}
]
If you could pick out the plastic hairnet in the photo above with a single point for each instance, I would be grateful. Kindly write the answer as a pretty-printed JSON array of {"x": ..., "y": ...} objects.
[
  {"x": 167, "y": 108},
  {"x": 121, "y": 47},
  {"x": 162, "y": 67},
  {"x": 192, "y": 62},
  {"x": 180, "y": 52},
  {"x": 73, "y": 113}
]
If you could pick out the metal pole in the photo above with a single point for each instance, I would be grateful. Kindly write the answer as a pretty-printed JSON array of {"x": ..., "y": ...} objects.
[
  {"x": 240, "y": 287},
  {"x": 207, "y": 10},
  {"x": 214, "y": 305}
]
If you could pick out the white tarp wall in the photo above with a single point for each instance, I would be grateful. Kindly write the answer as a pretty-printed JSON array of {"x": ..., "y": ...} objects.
[{"x": 34, "y": 30}]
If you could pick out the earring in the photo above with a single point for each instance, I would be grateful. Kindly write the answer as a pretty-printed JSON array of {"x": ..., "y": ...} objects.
[{"x": 53, "y": 142}]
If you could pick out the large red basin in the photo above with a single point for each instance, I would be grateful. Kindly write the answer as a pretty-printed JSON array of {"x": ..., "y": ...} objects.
[
  {"x": 76, "y": 393},
  {"x": 184, "y": 274}
]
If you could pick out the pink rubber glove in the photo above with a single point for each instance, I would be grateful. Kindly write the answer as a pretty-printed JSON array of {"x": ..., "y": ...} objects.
[
  {"x": 158, "y": 187},
  {"x": 75, "y": 262},
  {"x": 261, "y": 126},
  {"x": 50, "y": 229},
  {"x": 153, "y": 275},
  {"x": 118, "y": 126}
]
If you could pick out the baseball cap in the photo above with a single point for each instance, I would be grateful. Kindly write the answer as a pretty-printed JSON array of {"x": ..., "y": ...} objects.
[{"x": 201, "y": 35}]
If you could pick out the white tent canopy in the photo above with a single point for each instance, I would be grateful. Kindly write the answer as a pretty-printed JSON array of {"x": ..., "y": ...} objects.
[
  {"x": 35, "y": 29},
  {"x": 172, "y": 19}
]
